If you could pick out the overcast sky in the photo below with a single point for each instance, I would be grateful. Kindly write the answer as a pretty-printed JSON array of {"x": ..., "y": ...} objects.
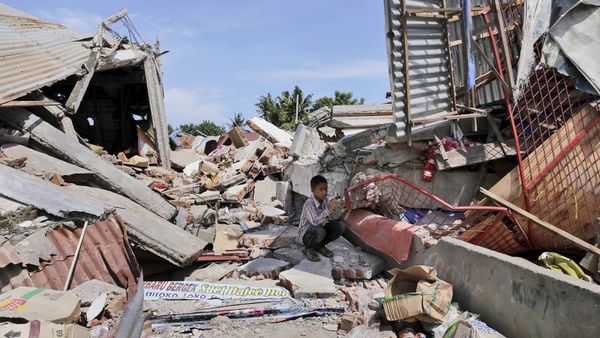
[{"x": 225, "y": 54}]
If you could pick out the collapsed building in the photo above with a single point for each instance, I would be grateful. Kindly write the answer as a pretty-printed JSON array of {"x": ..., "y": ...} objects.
[{"x": 485, "y": 157}]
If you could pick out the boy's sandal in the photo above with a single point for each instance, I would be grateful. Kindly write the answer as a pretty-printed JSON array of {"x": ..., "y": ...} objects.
[
  {"x": 311, "y": 255},
  {"x": 325, "y": 252}
]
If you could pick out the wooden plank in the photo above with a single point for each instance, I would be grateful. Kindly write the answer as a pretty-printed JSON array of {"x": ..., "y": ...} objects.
[
  {"x": 472, "y": 155},
  {"x": 30, "y": 103},
  {"x": 441, "y": 148},
  {"x": 82, "y": 84},
  {"x": 504, "y": 42},
  {"x": 450, "y": 64},
  {"x": 38, "y": 163},
  {"x": 157, "y": 109},
  {"x": 55, "y": 200},
  {"x": 540, "y": 222},
  {"x": 454, "y": 116},
  {"x": 55, "y": 141}
]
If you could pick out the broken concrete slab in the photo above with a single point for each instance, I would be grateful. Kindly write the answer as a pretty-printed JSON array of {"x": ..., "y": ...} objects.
[
  {"x": 309, "y": 279},
  {"x": 9, "y": 206},
  {"x": 55, "y": 141},
  {"x": 145, "y": 228},
  {"x": 213, "y": 273},
  {"x": 226, "y": 237},
  {"x": 37, "y": 163},
  {"x": 36, "y": 247},
  {"x": 182, "y": 157},
  {"x": 271, "y": 238},
  {"x": 292, "y": 254},
  {"x": 351, "y": 262},
  {"x": 266, "y": 267},
  {"x": 270, "y": 211},
  {"x": 270, "y": 132},
  {"x": 91, "y": 289},
  {"x": 226, "y": 181},
  {"x": 245, "y": 153},
  {"x": 300, "y": 173},
  {"x": 203, "y": 215},
  {"x": 307, "y": 142},
  {"x": 265, "y": 191}
]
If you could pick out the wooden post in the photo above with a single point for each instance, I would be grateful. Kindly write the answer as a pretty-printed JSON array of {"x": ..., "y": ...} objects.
[
  {"x": 504, "y": 41},
  {"x": 533, "y": 218},
  {"x": 407, "y": 112}
]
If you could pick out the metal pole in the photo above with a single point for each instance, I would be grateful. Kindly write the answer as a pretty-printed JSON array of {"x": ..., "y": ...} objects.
[
  {"x": 297, "y": 98},
  {"x": 75, "y": 256}
]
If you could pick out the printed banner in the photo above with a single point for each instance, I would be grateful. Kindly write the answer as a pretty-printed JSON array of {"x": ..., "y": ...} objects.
[{"x": 204, "y": 290}]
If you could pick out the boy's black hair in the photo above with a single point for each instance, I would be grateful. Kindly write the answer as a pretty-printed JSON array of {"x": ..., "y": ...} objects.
[{"x": 316, "y": 181}]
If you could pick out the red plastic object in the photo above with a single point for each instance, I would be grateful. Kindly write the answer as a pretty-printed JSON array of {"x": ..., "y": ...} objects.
[{"x": 488, "y": 226}]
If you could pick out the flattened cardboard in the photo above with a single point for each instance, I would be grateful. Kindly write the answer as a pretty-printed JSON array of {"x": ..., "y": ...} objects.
[
  {"x": 40, "y": 304},
  {"x": 472, "y": 329},
  {"x": 417, "y": 294},
  {"x": 43, "y": 329}
]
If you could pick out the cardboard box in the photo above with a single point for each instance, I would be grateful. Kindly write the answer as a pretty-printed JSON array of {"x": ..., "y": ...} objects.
[
  {"x": 43, "y": 329},
  {"x": 417, "y": 294},
  {"x": 40, "y": 304},
  {"x": 471, "y": 328}
]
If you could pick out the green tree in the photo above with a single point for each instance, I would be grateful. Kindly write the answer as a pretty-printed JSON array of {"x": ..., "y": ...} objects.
[
  {"x": 340, "y": 98},
  {"x": 281, "y": 111},
  {"x": 206, "y": 127},
  {"x": 237, "y": 120}
]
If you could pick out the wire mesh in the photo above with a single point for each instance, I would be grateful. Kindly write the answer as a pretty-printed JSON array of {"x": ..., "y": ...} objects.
[
  {"x": 397, "y": 198},
  {"x": 559, "y": 144}
]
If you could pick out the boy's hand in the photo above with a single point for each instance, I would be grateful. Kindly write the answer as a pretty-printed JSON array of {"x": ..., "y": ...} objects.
[{"x": 332, "y": 205}]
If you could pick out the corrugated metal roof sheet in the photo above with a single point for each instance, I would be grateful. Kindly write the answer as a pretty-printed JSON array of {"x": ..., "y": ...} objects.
[
  {"x": 105, "y": 255},
  {"x": 429, "y": 79},
  {"x": 35, "y": 53}
]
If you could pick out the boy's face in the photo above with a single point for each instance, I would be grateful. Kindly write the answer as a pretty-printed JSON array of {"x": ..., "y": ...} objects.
[{"x": 320, "y": 191}]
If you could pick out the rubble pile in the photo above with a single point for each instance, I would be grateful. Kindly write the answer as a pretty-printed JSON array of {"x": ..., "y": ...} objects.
[{"x": 112, "y": 226}]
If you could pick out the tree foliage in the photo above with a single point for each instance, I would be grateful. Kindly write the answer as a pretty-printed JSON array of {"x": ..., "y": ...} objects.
[
  {"x": 339, "y": 98},
  {"x": 237, "y": 120},
  {"x": 281, "y": 110},
  {"x": 206, "y": 127}
]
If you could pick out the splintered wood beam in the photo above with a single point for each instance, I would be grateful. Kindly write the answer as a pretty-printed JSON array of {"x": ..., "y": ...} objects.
[
  {"x": 82, "y": 84},
  {"x": 40, "y": 103},
  {"x": 540, "y": 222}
]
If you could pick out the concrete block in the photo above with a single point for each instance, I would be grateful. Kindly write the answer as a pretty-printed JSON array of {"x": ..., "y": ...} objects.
[
  {"x": 300, "y": 173},
  {"x": 245, "y": 153},
  {"x": 265, "y": 191},
  {"x": 237, "y": 137},
  {"x": 309, "y": 279},
  {"x": 209, "y": 196},
  {"x": 182, "y": 157},
  {"x": 292, "y": 254},
  {"x": 513, "y": 295},
  {"x": 351, "y": 262},
  {"x": 271, "y": 238},
  {"x": 237, "y": 192},
  {"x": 266, "y": 267},
  {"x": 283, "y": 193},
  {"x": 307, "y": 142},
  {"x": 212, "y": 273}
]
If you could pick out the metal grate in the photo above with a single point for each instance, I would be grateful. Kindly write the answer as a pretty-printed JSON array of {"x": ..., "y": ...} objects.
[{"x": 558, "y": 137}]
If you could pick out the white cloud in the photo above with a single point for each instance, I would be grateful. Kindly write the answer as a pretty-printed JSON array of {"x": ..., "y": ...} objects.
[
  {"x": 78, "y": 20},
  {"x": 354, "y": 69},
  {"x": 192, "y": 105}
]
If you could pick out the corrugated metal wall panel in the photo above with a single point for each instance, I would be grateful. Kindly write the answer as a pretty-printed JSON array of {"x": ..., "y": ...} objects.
[{"x": 35, "y": 53}]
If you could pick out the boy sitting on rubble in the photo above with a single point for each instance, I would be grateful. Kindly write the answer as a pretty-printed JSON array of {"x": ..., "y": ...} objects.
[{"x": 316, "y": 226}]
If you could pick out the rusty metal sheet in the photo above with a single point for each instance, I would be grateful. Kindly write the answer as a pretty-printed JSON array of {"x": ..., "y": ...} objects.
[
  {"x": 105, "y": 255},
  {"x": 35, "y": 53}
]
